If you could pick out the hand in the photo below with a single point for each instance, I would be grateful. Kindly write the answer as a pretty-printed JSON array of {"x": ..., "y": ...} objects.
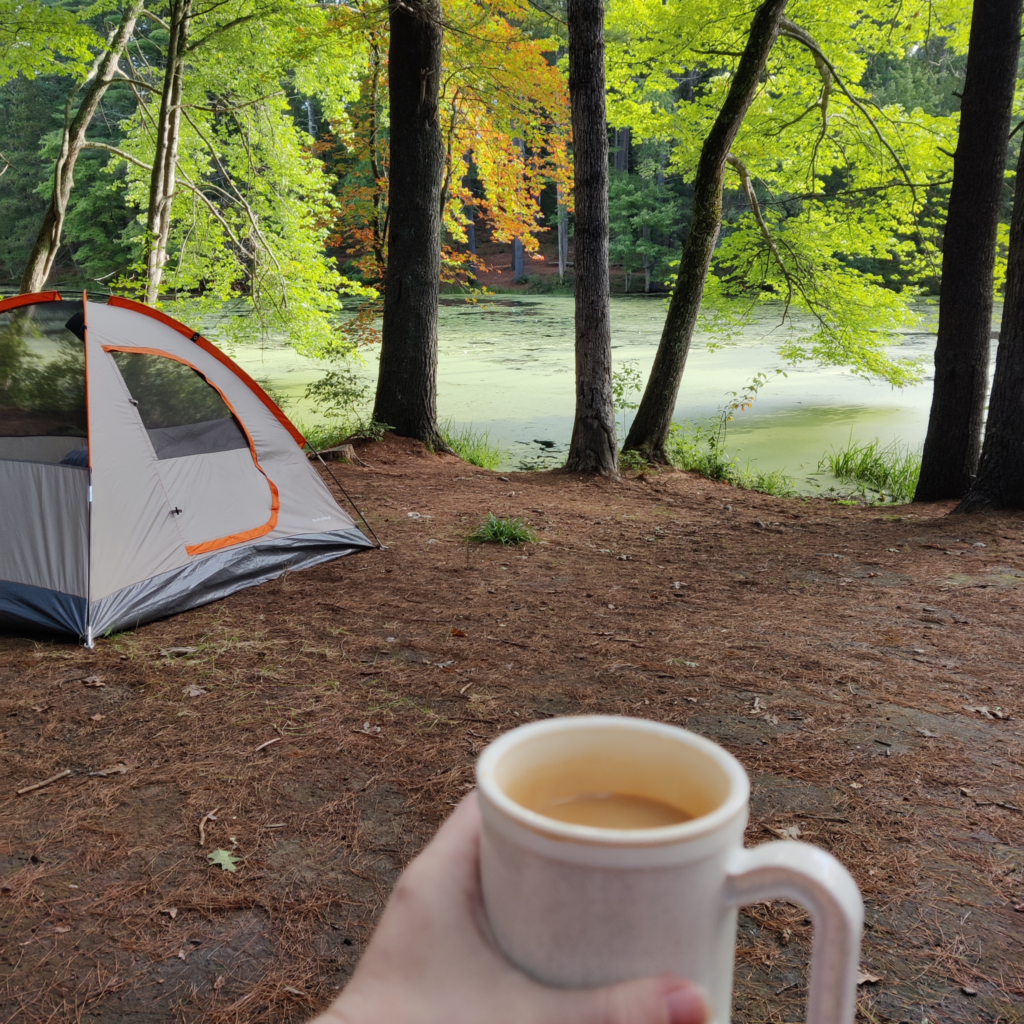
[{"x": 432, "y": 959}]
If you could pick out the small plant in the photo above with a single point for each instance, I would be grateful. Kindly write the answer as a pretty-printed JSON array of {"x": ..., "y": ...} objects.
[
  {"x": 627, "y": 381},
  {"x": 632, "y": 460},
  {"x": 338, "y": 393},
  {"x": 472, "y": 446},
  {"x": 891, "y": 471},
  {"x": 368, "y": 429},
  {"x": 496, "y": 530}
]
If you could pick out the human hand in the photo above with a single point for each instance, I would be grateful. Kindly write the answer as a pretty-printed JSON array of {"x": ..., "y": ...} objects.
[{"x": 432, "y": 959}]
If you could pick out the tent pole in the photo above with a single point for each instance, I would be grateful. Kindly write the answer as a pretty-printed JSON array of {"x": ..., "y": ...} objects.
[{"x": 380, "y": 547}]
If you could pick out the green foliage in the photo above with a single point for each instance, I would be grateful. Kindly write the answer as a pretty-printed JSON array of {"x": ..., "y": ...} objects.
[
  {"x": 338, "y": 393},
  {"x": 472, "y": 446},
  {"x": 632, "y": 460},
  {"x": 329, "y": 435},
  {"x": 701, "y": 450},
  {"x": 627, "y": 382},
  {"x": 834, "y": 202},
  {"x": 495, "y": 530},
  {"x": 643, "y": 214},
  {"x": 891, "y": 471},
  {"x": 43, "y": 39}
]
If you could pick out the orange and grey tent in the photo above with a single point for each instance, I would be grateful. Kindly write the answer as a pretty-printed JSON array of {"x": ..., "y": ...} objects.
[{"x": 142, "y": 472}]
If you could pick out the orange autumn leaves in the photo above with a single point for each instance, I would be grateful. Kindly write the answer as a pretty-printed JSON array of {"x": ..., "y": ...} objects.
[{"x": 505, "y": 123}]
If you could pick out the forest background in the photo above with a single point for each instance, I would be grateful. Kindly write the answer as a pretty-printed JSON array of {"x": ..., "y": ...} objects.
[{"x": 273, "y": 200}]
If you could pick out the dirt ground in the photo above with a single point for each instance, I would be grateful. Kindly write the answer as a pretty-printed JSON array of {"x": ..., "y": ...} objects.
[{"x": 863, "y": 663}]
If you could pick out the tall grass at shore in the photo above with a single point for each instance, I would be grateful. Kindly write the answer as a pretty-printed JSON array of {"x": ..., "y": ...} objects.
[
  {"x": 891, "y": 470},
  {"x": 472, "y": 446},
  {"x": 700, "y": 450}
]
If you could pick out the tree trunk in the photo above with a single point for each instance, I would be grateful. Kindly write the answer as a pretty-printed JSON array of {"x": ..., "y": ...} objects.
[
  {"x": 407, "y": 382},
  {"x": 593, "y": 447},
  {"x": 563, "y": 235},
  {"x": 1000, "y": 479},
  {"x": 650, "y": 428},
  {"x": 518, "y": 271},
  {"x": 165, "y": 160},
  {"x": 953, "y": 440},
  {"x": 622, "y": 141},
  {"x": 104, "y": 70}
]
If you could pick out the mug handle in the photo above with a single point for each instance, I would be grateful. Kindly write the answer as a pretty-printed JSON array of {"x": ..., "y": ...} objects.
[{"x": 813, "y": 878}]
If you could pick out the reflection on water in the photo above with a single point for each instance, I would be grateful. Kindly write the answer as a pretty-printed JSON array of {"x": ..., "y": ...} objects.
[{"x": 506, "y": 367}]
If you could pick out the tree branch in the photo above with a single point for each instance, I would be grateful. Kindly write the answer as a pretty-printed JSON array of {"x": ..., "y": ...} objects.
[{"x": 793, "y": 31}]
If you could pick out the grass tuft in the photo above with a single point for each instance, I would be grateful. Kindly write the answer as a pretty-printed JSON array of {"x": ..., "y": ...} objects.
[
  {"x": 495, "y": 530},
  {"x": 891, "y": 471},
  {"x": 472, "y": 446}
]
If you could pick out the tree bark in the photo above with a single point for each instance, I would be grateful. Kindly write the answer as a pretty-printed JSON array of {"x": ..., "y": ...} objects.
[
  {"x": 650, "y": 428},
  {"x": 162, "y": 181},
  {"x": 407, "y": 381},
  {"x": 1000, "y": 479},
  {"x": 593, "y": 447},
  {"x": 952, "y": 443},
  {"x": 104, "y": 70}
]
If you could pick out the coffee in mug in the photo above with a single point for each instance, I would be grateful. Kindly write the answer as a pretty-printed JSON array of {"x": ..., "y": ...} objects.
[{"x": 612, "y": 848}]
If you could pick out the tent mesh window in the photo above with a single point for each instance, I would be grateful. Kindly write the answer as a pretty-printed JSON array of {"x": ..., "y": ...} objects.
[
  {"x": 183, "y": 414},
  {"x": 42, "y": 384}
]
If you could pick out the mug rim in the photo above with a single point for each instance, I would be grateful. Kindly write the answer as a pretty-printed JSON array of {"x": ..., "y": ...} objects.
[{"x": 734, "y": 803}]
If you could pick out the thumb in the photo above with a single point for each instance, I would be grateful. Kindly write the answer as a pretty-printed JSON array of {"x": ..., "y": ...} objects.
[{"x": 662, "y": 1000}]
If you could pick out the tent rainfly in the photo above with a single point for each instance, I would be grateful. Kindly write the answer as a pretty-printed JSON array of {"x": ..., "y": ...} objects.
[{"x": 142, "y": 472}]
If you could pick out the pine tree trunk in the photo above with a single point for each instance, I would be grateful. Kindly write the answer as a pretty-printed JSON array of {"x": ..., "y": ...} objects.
[
  {"x": 953, "y": 440},
  {"x": 563, "y": 236},
  {"x": 104, "y": 70},
  {"x": 593, "y": 447},
  {"x": 1000, "y": 480},
  {"x": 623, "y": 138},
  {"x": 407, "y": 382},
  {"x": 163, "y": 178},
  {"x": 650, "y": 428}
]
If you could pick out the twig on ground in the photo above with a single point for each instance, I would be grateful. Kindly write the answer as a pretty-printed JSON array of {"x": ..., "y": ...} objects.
[
  {"x": 46, "y": 782},
  {"x": 209, "y": 816}
]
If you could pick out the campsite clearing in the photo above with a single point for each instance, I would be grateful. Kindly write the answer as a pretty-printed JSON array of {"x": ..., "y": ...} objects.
[{"x": 247, "y": 779}]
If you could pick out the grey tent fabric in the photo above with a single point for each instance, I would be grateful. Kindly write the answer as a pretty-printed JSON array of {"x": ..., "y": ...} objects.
[{"x": 142, "y": 472}]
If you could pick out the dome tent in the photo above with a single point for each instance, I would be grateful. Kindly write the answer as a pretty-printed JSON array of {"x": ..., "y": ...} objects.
[{"x": 142, "y": 472}]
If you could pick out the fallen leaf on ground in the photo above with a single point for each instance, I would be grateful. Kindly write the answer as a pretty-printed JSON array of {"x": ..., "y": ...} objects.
[
  {"x": 968, "y": 991},
  {"x": 294, "y": 991},
  {"x": 178, "y": 652},
  {"x": 62, "y": 929},
  {"x": 94, "y": 681},
  {"x": 789, "y": 832},
  {"x": 193, "y": 691},
  {"x": 181, "y": 952},
  {"x": 97, "y": 717},
  {"x": 856, "y": 785},
  {"x": 458, "y": 632},
  {"x": 863, "y": 978},
  {"x": 171, "y": 912},
  {"x": 224, "y": 859},
  {"x": 219, "y": 983},
  {"x": 987, "y": 712},
  {"x": 115, "y": 769}
]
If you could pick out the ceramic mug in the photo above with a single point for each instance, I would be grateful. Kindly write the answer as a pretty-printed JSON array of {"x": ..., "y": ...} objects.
[{"x": 577, "y": 906}]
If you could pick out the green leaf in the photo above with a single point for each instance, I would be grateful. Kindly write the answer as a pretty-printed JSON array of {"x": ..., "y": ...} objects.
[{"x": 224, "y": 859}]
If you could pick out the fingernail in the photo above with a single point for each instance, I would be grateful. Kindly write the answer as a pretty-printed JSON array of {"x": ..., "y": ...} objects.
[{"x": 686, "y": 1005}]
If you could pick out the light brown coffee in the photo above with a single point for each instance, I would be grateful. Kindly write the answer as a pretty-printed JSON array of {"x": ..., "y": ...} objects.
[{"x": 611, "y": 810}]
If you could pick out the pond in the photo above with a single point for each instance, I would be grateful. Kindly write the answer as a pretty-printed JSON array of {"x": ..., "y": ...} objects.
[{"x": 506, "y": 367}]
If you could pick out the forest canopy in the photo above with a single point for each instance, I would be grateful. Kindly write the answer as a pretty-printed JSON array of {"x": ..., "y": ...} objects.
[{"x": 237, "y": 162}]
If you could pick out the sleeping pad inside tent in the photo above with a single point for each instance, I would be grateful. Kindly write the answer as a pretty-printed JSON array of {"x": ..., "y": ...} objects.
[{"x": 141, "y": 471}]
